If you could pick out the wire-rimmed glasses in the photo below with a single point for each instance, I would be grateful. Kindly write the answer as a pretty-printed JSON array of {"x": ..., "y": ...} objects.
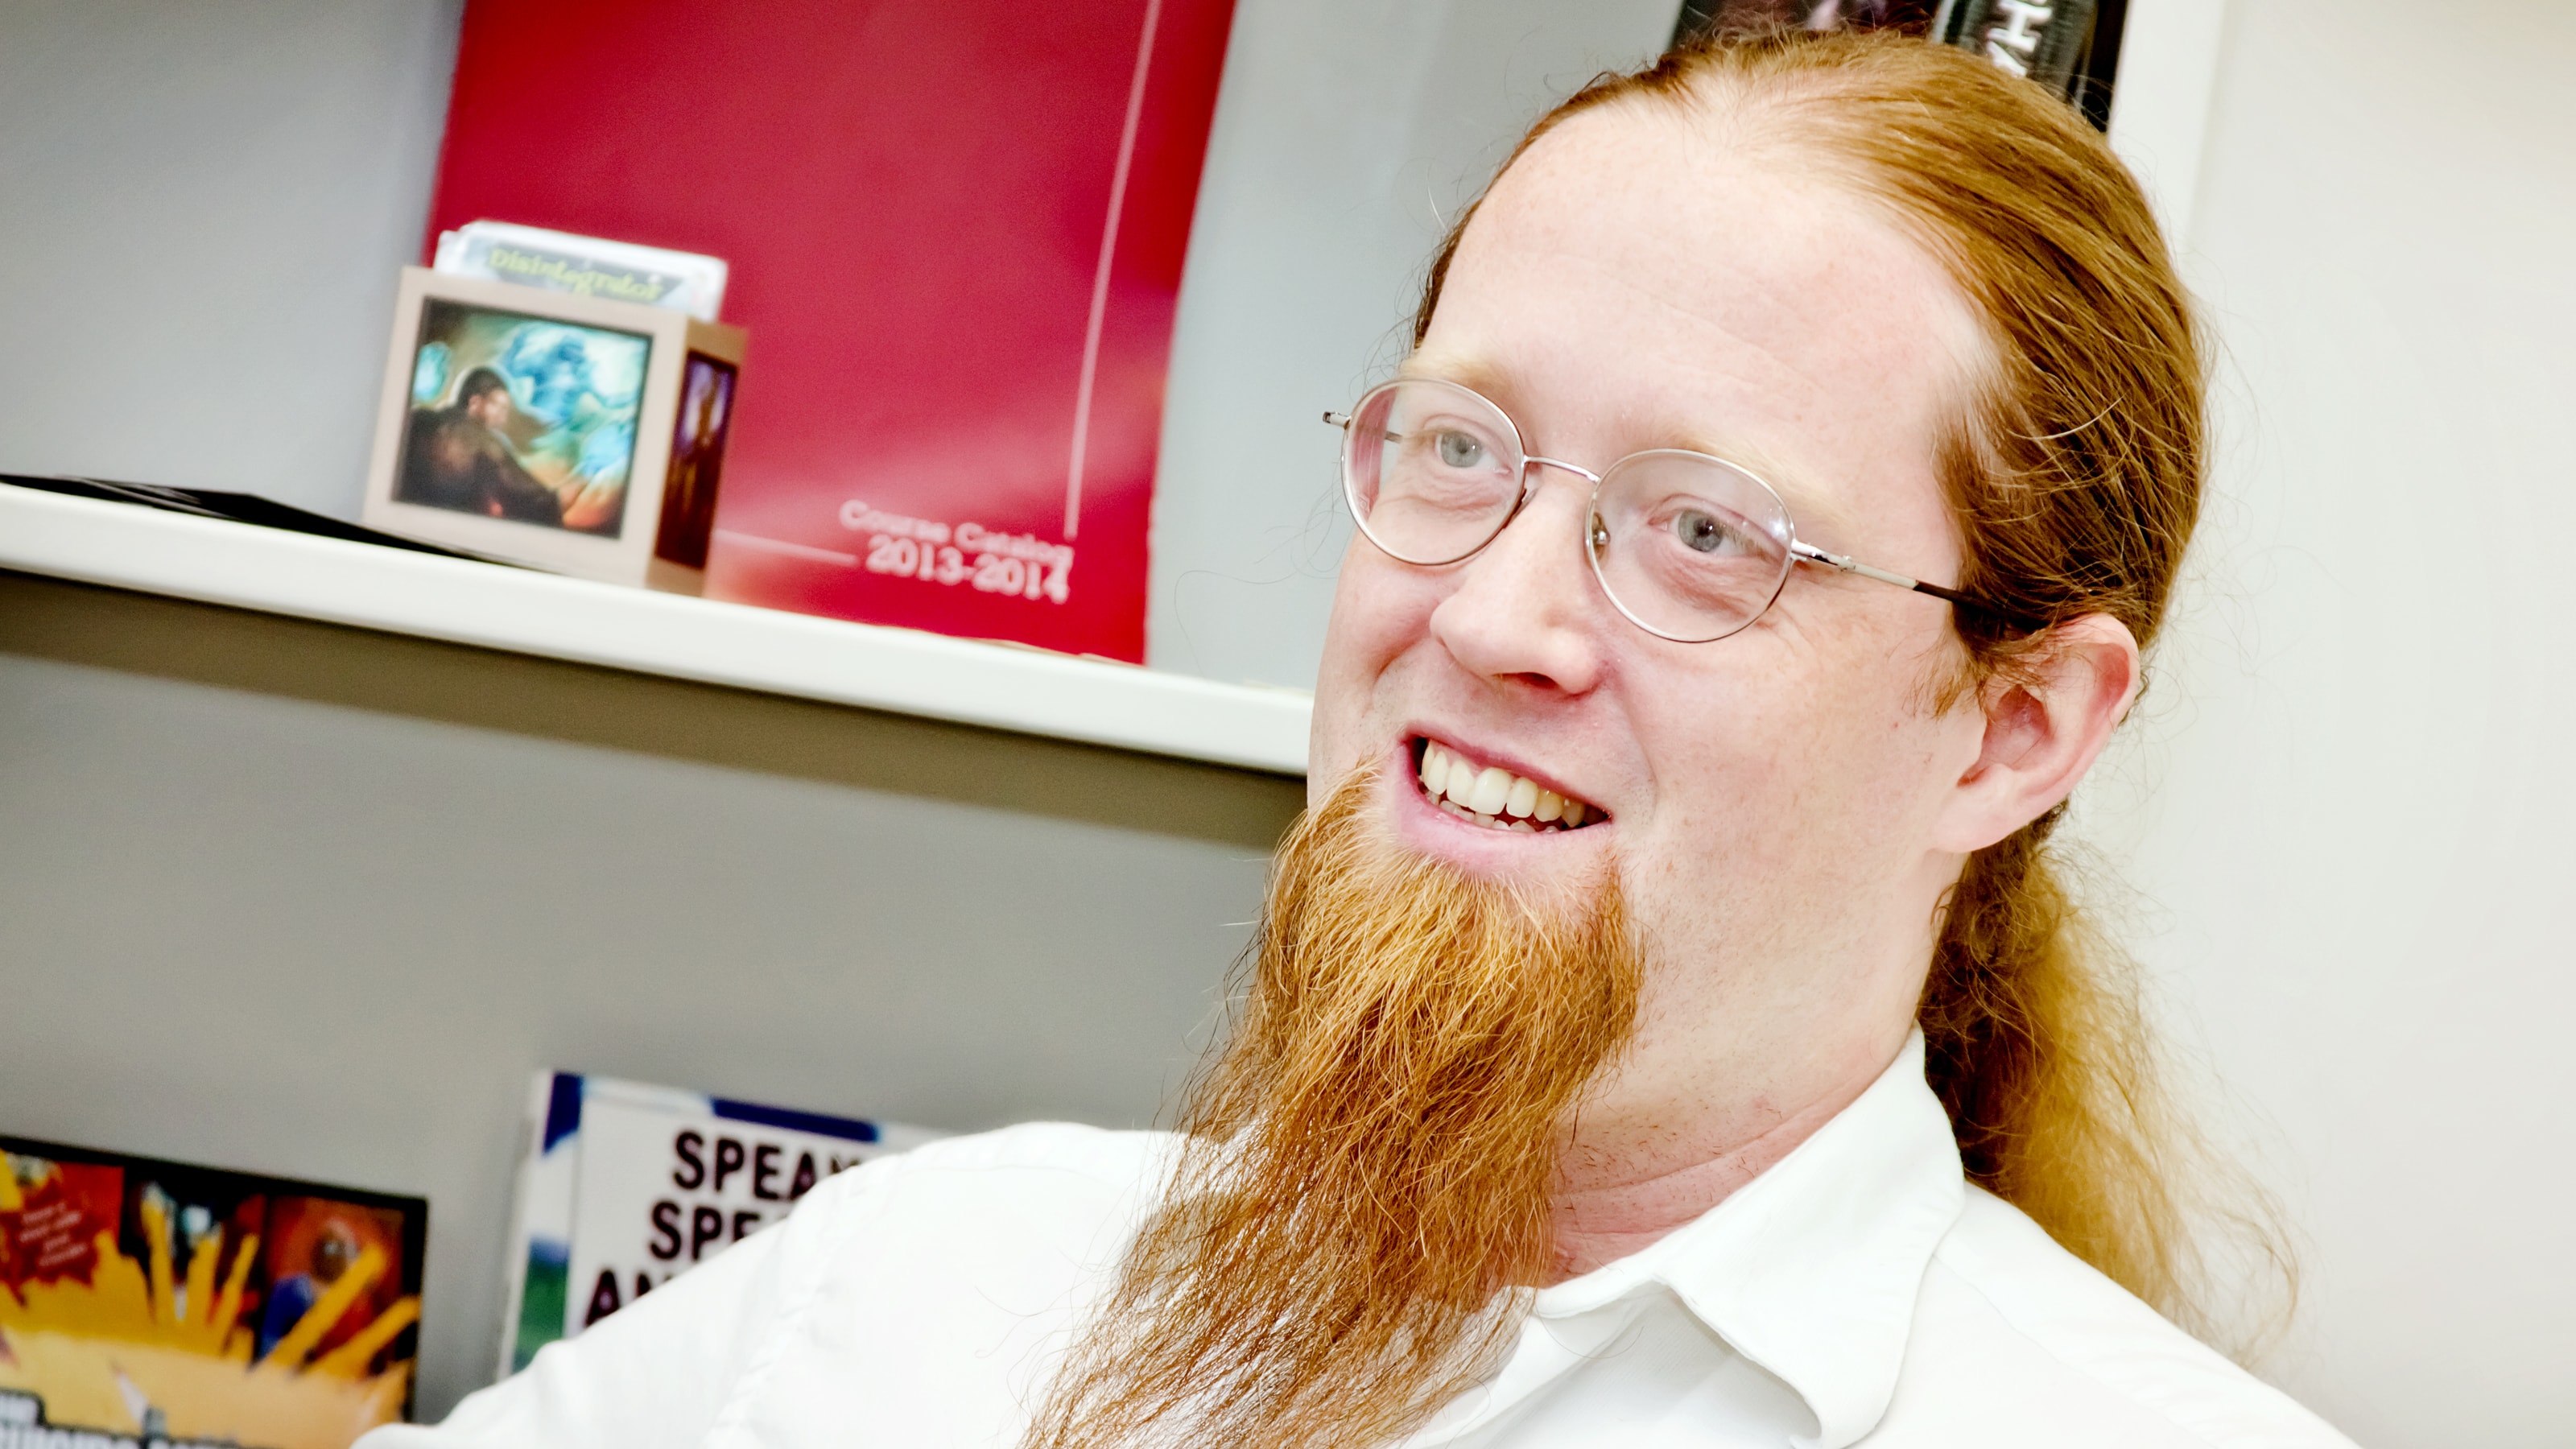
[{"x": 1688, "y": 546}]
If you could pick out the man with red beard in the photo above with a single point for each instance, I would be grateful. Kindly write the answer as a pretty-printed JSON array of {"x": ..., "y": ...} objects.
[{"x": 1664, "y": 1027}]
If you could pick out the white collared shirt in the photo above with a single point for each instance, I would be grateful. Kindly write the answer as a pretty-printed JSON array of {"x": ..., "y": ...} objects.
[{"x": 1859, "y": 1291}]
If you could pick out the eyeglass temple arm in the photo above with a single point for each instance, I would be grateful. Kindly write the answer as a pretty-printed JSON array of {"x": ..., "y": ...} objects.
[{"x": 1809, "y": 553}]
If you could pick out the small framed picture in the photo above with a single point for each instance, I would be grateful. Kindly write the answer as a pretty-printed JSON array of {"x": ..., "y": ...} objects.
[{"x": 571, "y": 433}]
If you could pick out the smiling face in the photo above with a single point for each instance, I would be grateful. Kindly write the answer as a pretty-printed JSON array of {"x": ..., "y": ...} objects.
[{"x": 1773, "y": 802}]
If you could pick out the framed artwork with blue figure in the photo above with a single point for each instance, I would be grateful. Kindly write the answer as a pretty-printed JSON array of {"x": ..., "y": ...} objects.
[
  {"x": 565, "y": 432},
  {"x": 522, "y": 417}
]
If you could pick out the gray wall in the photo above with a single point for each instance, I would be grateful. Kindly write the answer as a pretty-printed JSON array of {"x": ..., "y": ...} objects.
[
  {"x": 206, "y": 206},
  {"x": 1348, "y": 135},
  {"x": 298, "y": 899}
]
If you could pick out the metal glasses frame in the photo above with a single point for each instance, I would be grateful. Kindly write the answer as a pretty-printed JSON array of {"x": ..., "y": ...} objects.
[{"x": 1799, "y": 551}]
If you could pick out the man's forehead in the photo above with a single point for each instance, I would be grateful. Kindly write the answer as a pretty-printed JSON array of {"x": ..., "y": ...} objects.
[
  {"x": 1683, "y": 201},
  {"x": 1641, "y": 280}
]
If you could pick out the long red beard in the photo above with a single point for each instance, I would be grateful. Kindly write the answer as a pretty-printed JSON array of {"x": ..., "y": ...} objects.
[{"x": 1367, "y": 1163}]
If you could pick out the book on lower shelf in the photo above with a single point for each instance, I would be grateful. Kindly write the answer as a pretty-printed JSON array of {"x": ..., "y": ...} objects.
[
  {"x": 149, "y": 1302},
  {"x": 624, "y": 1186}
]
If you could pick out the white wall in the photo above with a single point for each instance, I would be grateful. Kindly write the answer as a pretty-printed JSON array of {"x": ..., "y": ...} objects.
[{"x": 2352, "y": 854}]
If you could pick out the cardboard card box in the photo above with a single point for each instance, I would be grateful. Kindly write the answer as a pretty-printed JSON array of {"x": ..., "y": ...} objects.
[{"x": 571, "y": 433}]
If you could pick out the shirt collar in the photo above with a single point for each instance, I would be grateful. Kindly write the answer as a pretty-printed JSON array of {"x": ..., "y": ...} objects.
[{"x": 1811, "y": 1269}]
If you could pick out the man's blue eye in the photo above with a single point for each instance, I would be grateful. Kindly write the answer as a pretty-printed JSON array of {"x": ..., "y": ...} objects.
[
  {"x": 1701, "y": 532},
  {"x": 1460, "y": 450}
]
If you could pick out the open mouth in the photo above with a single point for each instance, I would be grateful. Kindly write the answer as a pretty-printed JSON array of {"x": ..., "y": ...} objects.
[{"x": 1494, "y": 797}]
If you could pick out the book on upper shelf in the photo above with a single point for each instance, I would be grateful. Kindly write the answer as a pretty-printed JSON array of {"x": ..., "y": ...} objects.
[
  {"x": 144, "y": 1301},
  {"x": 624, "y": 1186}
]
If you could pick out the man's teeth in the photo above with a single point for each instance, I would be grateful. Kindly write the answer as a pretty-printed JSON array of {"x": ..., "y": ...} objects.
[{"x": 1494, "y": 796}]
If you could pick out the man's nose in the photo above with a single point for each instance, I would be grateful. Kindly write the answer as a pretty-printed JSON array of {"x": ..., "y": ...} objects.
[{"x": 1525, "y": 608}]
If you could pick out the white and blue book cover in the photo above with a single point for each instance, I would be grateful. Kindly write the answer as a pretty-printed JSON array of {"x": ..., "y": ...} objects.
[{"x": 624, "y": 1187}]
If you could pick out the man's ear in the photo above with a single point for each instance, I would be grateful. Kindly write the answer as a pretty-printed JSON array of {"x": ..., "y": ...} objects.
[{"x": 2044, "y": 727}]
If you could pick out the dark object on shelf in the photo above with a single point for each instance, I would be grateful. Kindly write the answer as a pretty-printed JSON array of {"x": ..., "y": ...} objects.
[
  {"x": 2070, "y": 46},
  {"x": 237, "y": 507},
  {"x": 2054, "y": 43}
]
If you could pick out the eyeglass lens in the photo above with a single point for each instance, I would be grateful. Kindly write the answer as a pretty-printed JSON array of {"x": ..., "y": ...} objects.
[
  {"x": 1687, "y": 546},
  {"x": 1433, "y": 470}
]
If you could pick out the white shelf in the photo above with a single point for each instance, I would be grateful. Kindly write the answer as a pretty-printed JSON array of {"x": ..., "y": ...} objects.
[{"x": 525, "y": 612}]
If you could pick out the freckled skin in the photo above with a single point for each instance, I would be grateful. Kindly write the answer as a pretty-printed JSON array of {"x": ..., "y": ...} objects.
[{"x": 1784, "y": 811}]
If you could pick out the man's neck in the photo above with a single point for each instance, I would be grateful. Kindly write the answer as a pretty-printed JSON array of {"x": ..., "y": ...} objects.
[{"x": 1624, "y": 1184}]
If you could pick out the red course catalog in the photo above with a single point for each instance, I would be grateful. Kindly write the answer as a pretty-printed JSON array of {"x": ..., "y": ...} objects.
[{"x": 955, "y": 234}]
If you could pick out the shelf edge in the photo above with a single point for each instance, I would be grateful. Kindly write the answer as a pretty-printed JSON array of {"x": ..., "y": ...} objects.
[{"x": 905, "y": 671}]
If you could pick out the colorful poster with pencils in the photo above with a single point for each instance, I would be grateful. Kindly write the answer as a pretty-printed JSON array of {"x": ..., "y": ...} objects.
[
  {"x": 955, "y": 241},
  {"x": 152, "y": 1302}
]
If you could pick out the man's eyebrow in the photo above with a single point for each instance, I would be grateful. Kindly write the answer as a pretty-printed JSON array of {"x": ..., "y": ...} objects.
[
  {"x": 1810, "y": 503},
  {"x": 1465, "y": 371}
]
